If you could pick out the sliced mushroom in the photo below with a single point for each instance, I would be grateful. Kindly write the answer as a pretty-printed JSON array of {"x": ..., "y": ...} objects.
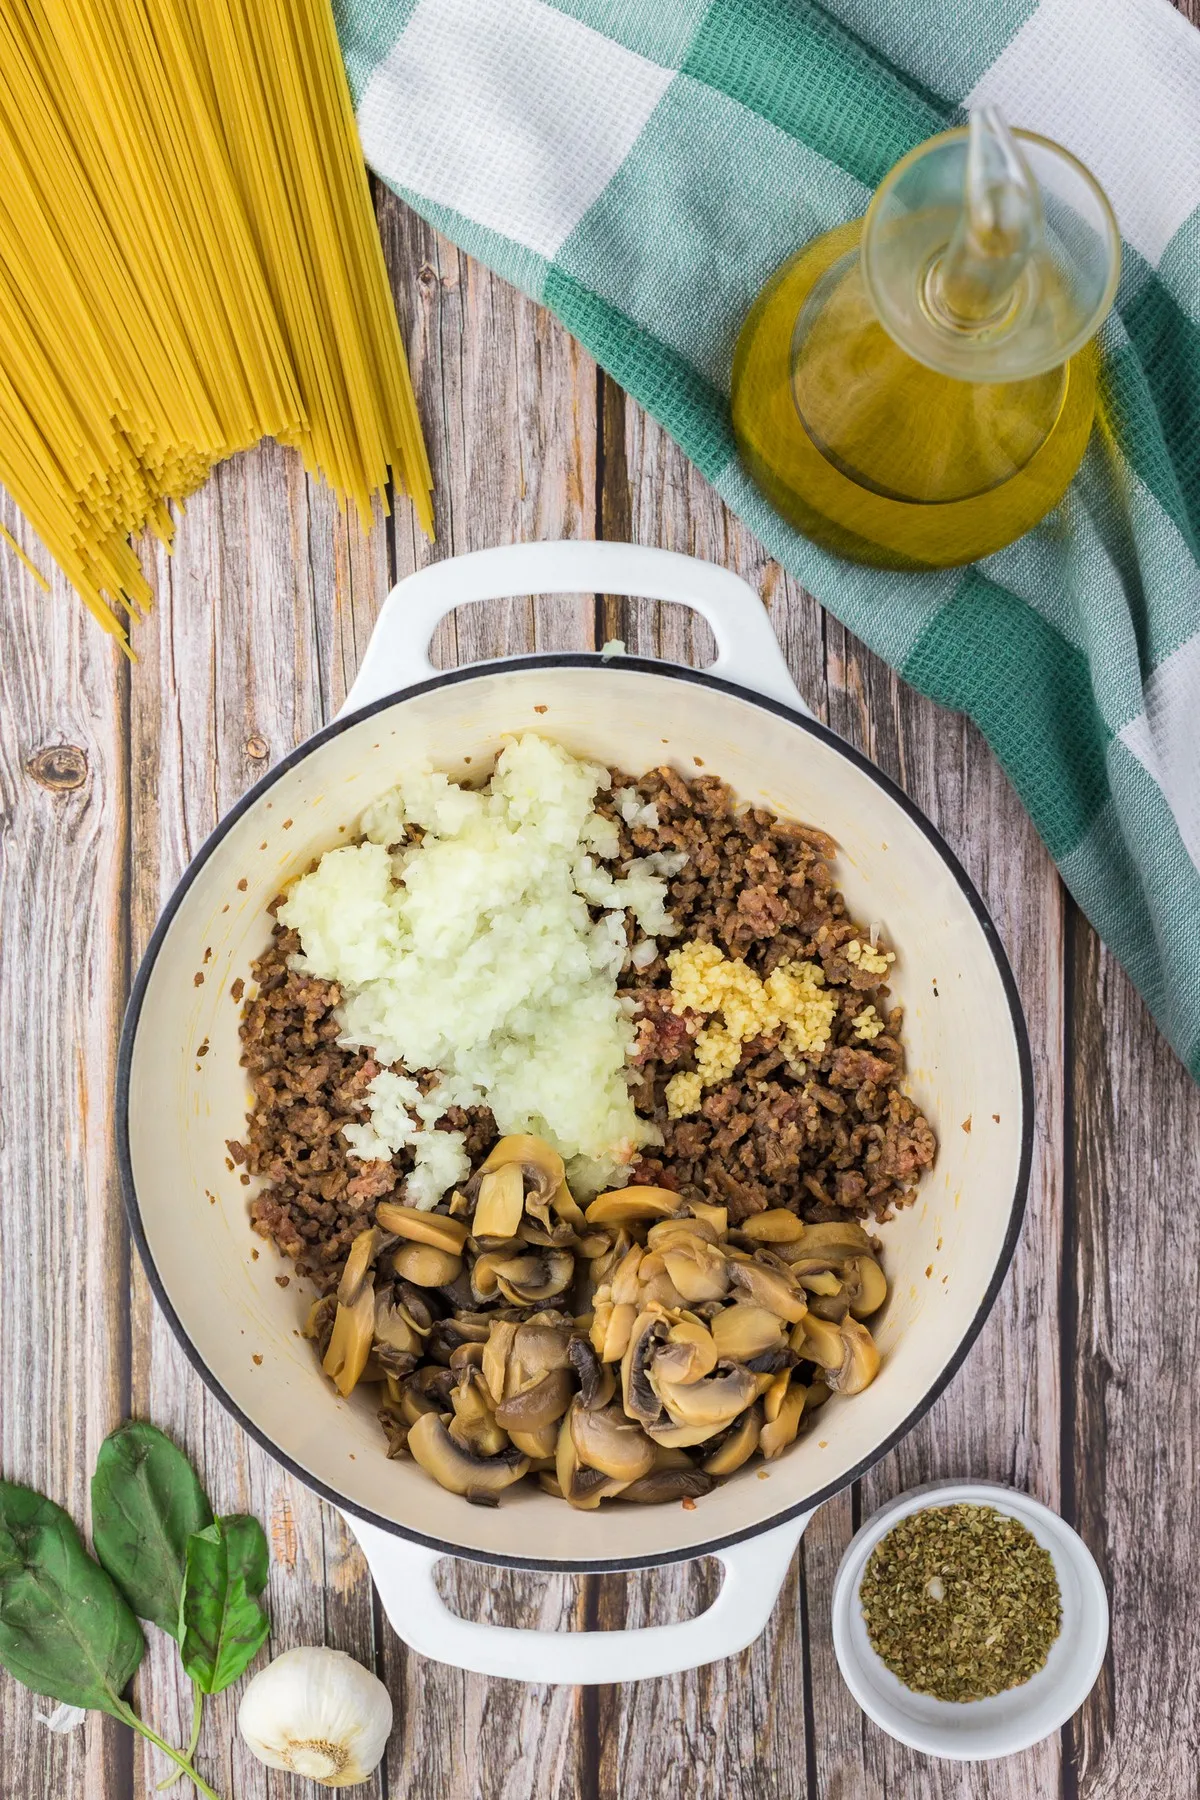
[
  {"x": 353, "y": 1335},
  {"x": 568, "y": 1208},
  {"x": 362, "y": 1254},
  {"x": 638, "y": 1393},
  {"x": 540, "y": 1445},
  {"x": 830, "y": 1306},
  {"x": 539, "y": 1347},
  {"x": 458, "y": 1468},
  {"x": 704, "y": 1406},
  {"x": 689, "y": 1353},
  {"x": 774, "y": 1396},
  {"x": 396, "y": 1430},
  {"x": 837, "y": 1239},
  {"x": 500, "y": 1203},
  {"x": 319, "y": 1324},
  {"x": 496, "y": 1352},
  {"x": 775, "y": 1226},
  {"x": 474, "y": 1425},
  {"x": 846, "y": 1351},
  {"x": 420, "y": 1309},
  {"x": 426, "y": 1390},
  {"x": 738, "y": 1445},
  {"x": 669, "y": 1232},
  {"x": 547, "y": 1480},
  {"x": 780, "y": 1431},
  {"x": 394, "y": 1331},
  {"x": 860, "y": 1360},
  {"x": 826, "y": 1283},
  {"x": 542, "y": 1403},
  {"x": 583, "y": 1487},
  {"x": 818, "y": 1340},
  {"x": 611, "y": 1327},
  {"x": 624, "y": 1281},
  {"x": 597, "y": 1384},
  {"x": 425, "y": 1265},
  {"x": 422, "y": 1227},
  {"x": 655, "y": 1287},
  {"x": 745, "y": 1331},
  {"x": 865, "y": 1284},
  {"x": 699, "y": 1271},
  {"x": 467, "y": 1356},
  {"x": 716, "y": 1216},
  {"x": 769, "y": 1288},
  {"x": 542, "y": 1172},
  {"x": 537, "y": 1275},
  {"x": 606, "y": 1440},
  {"x": 633, "y": 1205},
  {"x": 663, "y": 1485}
]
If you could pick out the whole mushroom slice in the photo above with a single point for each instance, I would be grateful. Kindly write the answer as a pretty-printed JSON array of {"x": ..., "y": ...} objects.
[
  {"x": 715, "y": 1216},
  {"x": 393, "y": 1330},
  {"x": 865, "y": 1285},
  {"x": 542, "y": 1171},
  {"x": 707, "y": 1405},
  {"x": 663, "y": 1485},
  {"x": 670, "y": 1232},
  {"x": 606, "y": 1440},
  {"x": 837, "y": 1239},
  {"x": 860, "y": 1360},
  {"x": 458, "y": 1468},
  {"x": 633, "y": 1206},
  {"x": 583, "y": 1487},
  {"x": 536, "y": 1349},
  {"x": 540, "y": 1445},
  {"x": 419, "y": 1227},
  {"x": 738, "y": 1445}
]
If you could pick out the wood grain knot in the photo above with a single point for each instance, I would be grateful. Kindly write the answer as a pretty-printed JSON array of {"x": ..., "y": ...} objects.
[
  {"x": 58, "y": 767},
  {"x": 257, "y": 747}
]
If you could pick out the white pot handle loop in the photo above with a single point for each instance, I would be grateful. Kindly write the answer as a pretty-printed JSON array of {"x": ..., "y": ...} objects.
[
  {"x": 748, "y": 651},
  {"x": 753, "y": 1573}
]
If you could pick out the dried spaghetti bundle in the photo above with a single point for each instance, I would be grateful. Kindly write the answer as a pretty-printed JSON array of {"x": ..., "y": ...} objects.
[{"x": 188, "y": 262}]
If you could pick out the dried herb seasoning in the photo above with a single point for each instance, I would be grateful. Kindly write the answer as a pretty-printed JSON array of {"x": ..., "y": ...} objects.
[{"x": 961, "y": 1602}]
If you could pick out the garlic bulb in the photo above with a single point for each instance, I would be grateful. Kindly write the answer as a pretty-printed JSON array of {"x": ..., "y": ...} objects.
[{"x": 318, "y": 1713}]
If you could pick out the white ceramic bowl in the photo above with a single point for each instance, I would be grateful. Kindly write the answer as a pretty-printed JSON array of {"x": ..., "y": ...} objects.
[
  {"x": 968, "y": 1055},
  {"x": 973, "y": 1730}
]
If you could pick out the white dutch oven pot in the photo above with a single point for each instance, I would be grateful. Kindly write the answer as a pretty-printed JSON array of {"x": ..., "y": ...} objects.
[{"x": 968, "y": 1059}]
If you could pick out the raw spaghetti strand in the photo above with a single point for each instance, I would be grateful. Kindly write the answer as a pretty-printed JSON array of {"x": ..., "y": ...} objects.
[{"x": 189, "y": 262}]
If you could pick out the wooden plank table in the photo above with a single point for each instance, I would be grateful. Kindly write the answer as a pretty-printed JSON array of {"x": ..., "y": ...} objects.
[{"x": 1083, "y": 1386}]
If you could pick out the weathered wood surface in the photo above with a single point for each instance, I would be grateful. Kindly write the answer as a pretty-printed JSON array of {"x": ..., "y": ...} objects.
[{"x": 1081, "y": 1388}]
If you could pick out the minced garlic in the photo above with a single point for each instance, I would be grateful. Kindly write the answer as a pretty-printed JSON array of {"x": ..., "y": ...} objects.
[
  {"x": 868, "y": 1024},
  {"x": 792, "y": 1000},
  {"x": 867, "y": 957}
]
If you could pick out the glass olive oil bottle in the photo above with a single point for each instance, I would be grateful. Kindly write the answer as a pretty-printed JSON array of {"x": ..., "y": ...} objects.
[{"x": 917, "y": 388}]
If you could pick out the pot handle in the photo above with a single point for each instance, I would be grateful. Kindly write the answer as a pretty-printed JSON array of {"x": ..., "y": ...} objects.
[
  {"x": 754, "y": 1572},
  {"x": 397, "y": 655}
]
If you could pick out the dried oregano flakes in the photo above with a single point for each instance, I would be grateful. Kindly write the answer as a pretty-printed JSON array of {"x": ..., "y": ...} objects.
[{"x": 961, "y": 1602}]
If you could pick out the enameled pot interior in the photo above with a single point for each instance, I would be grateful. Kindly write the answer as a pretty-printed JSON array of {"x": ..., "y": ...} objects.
[{"x": 186, "y": 1093}]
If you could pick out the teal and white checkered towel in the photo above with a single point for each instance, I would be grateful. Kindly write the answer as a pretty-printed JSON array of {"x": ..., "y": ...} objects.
[{"x": 642, "y": 166}]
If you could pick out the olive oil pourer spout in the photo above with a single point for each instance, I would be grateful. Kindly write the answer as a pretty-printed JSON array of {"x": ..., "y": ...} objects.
[
  {"x": 989, "y": 254},
  {"x": 975, "y": 285}
]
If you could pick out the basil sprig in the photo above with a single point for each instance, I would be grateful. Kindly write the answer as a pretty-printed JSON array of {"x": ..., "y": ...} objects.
[{"x": 67, "y": 1623}]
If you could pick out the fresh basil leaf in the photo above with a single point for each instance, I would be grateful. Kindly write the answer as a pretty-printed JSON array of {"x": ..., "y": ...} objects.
[
  {"x": 146, "y": 1503},
  {"x": 222, "y": 1625},
  {"x": 65, "y": 1630}
]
